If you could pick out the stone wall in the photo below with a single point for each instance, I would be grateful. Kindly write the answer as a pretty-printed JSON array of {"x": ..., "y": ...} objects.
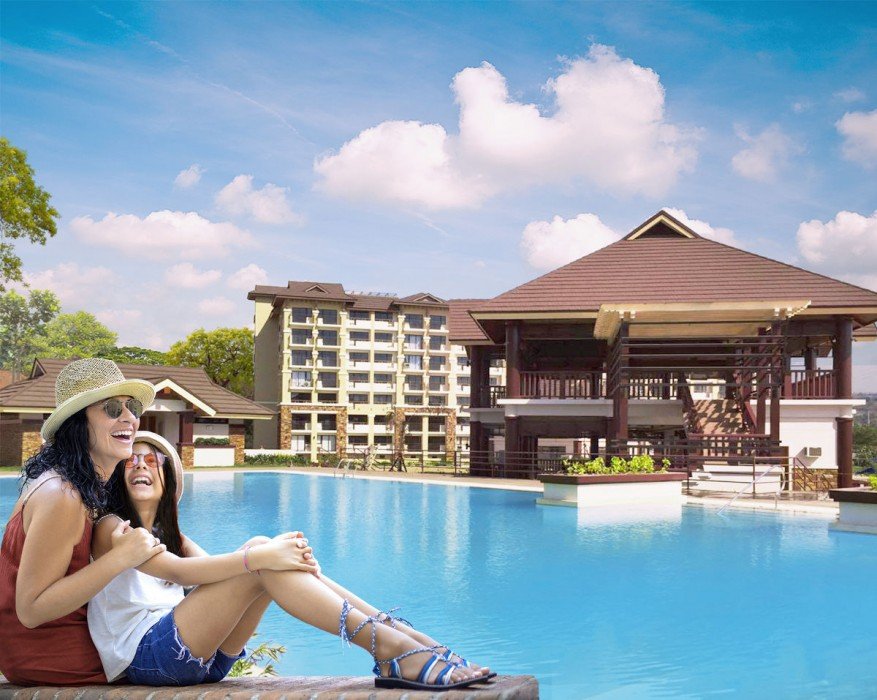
[
  {"x": 284, "y": 428},
  {"x": 31, "y": 442},
  {"x": 187, "y": 455},
  {"x": 284, "y": 423},
  {"x": 236, "y": 438}
]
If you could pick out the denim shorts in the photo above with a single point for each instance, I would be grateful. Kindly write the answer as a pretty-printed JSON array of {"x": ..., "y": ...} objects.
[{"x": 163, "y": 659}]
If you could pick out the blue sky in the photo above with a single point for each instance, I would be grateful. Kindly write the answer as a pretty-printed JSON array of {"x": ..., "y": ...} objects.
[{"x": 195, "y": 149}]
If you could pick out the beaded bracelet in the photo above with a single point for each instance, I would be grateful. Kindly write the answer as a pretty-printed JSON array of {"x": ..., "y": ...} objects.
[{"x": 247, "y": 561}]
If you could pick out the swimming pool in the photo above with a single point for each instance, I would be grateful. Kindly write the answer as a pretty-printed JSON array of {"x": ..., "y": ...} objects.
[{"x": 686, "y": 604}]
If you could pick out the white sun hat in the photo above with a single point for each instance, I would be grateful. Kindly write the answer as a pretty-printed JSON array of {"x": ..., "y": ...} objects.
[
  {"x": 84, "y": 382},
  {"x": 163, "y": 445}
]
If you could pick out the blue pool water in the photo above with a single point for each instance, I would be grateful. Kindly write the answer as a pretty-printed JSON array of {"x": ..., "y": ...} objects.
[{"x": 682, "y": 605}]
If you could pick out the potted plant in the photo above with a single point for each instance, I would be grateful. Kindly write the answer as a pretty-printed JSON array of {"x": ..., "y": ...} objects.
[{"x": 623, "y": 481}]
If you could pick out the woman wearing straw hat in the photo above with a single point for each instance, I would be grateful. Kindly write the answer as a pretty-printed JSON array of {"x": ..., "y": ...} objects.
[
  {"x": 45, "y": 575},
  {"x": 145, "y": 629}
]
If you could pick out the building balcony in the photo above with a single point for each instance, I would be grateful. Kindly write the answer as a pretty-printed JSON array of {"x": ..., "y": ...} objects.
[
  {"x": 357, "y": 428},
  {"x": 561, "y": 385},
  {"x": 384, "y": 325},
  {"x": 810, "y": 384},
  {"x": 383, "y": 346},
  {"x": 384, "y": 366}
]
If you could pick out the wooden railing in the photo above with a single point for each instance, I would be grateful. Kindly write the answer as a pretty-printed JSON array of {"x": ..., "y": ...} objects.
[
  {"x": 496, "y": 393},
  {"x": 561, "y": 385},
  {"x": 809, "y": 384}
]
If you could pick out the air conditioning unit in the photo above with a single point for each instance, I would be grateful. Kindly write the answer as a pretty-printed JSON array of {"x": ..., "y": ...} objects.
[{"x": 812, "y": 451}]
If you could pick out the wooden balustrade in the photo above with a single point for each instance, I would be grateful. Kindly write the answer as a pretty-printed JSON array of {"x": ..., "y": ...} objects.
[
  {"x": 561, "y": 385},
  {"x": 810, "y": 384}
]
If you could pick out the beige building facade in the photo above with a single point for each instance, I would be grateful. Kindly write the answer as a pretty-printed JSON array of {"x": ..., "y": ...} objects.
[{"x": 350, "y": 373}]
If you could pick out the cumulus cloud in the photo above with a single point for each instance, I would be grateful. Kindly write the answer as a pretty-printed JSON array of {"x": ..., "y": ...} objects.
[
  {"x": 216, "y": 306},
  {"x": 607, "y": 128},
  {"x": 162, "y": 235},
  {"x": 549, "y": 244},
  {"x": 845, "y": 246},
  {"x": 187, "y": 276},
  {"x": 764, "y": 155},
  {"x": 859, "y": 130},
  {"x": 189, "y": 177},
  {"x": 247, "y": 277},
  {"x": 268, "y": 205},
  {"x": 78, "y": 287},
  {"x": 722, "y": 235},
  {"x": 850, "y": 94}
]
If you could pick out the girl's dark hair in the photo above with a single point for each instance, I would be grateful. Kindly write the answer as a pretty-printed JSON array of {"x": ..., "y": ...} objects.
[
  {"x": 166, "y": 527},
  {"x": 67, "y": 453}
]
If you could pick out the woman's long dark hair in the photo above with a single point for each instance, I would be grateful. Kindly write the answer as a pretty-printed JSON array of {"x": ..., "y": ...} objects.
[
  {"x": 67, "y": 453},
  {"x": 166, "y": 527}
]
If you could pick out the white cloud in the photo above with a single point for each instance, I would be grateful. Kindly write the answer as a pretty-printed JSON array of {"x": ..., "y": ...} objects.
[
  {"x": 247, "y": 277},
  {"x": 162, "y": 235},
  {"x": 189, "y": 177},
  {"x": 480, "y": 264},
  {"x": 78, "y": 288},
  {"x": 267, "y": 205},
  {"x": 607, "y": 127},
  {"x": 765, "y": 154},
  {"x": 722, "y": 235},
  {"x": 216, "y": 306},
  {"x": 801, "y": 106},
  {"x": 187, "y": 276},
  {"x": 549, "y": 244},
  {"x": 846, "y": 245},
  {"x": 850, "y": 94},
  {"x": 859, "y": 130}
]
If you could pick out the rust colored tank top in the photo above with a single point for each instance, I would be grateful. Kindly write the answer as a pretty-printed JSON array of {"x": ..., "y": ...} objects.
[{"x": 59, "y": 652}]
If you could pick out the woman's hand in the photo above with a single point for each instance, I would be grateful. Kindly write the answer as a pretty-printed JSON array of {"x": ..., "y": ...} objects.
[
  {"x": 284, "y": 553},
  {"x": 133, "y": 546}
]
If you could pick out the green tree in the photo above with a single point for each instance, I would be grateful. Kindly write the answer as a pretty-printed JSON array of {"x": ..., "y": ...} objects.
[
  {"x": 70, "y": 336},
  {"x": 22, "y": 323},
  {"x": 226, "y": 354},
  {"x": 24, "y": 210},
  {"x": 132, "y": 355}
]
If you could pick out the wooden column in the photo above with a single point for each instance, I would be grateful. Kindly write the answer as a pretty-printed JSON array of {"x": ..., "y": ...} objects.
[
  {"x": 621, "y": 392},
  {"x": 513, "y": 459},
  {"x": 476, "y": 377},
  {"x": 513, "y": 359},
  {"x": 810, "y": 357},
  {"x": 777, "y": 370},
  {"x": 760, "y": 392},
  {"x": 843, "y": 370}
]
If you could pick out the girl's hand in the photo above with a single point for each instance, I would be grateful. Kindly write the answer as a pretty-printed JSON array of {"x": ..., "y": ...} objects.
[
  {"x": 133, "y": 546},
  {"x": 284, "y": 554}
]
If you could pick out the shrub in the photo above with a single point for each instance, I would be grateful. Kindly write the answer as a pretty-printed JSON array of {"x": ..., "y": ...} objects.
[
  {"x": 212, "y": 441},
  {"x": 278, "y": 460},
  {"x": 873, "y": 481},
  {"x": 250, "y": 665},
  {"x": 640, "y": 464}
]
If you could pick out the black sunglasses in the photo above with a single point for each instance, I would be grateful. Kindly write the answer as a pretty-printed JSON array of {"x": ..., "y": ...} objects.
[{"x": 113, "y": 407}]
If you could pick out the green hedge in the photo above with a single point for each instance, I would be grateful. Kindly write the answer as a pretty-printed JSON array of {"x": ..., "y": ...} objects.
[
  {"x": 279, "y": 460},
  {"x": 641, "y": 464},
  {"x": 212, "y": 441}
]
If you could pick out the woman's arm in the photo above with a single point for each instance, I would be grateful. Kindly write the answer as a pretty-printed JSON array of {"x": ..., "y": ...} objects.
[
  {"x": 197, "y": 567},
  {"x": 56, "y": 521}
]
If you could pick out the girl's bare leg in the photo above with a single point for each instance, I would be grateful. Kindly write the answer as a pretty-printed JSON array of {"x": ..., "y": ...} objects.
[{"x": 240, "y": 635}]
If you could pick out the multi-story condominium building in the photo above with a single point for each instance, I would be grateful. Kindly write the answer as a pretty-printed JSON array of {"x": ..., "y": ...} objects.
[{"x": 347, "y": 372}]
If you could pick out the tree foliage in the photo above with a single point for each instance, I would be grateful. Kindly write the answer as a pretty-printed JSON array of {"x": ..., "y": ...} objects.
[
  {"x": 226, "y": 354},
  {"x": 132, "y": 355},
  {"x": 71, "y": 336},
  {"x": 25, "y": 211},
  {"x": 22, "y": 322}
]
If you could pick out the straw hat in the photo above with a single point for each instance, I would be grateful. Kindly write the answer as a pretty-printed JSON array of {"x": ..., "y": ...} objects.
[
  {"x": 84, "y": 382},
  {"x": 163, "y": 445}
]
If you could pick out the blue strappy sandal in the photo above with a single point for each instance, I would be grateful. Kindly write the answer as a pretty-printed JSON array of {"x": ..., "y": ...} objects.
[
  {"x": 394, "y": 678},
  {"x": 388, "y": 617}
]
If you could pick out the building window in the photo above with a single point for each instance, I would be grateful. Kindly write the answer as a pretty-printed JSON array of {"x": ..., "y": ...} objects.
[
  {"x": 359, "y": 315},
  {"x": 463, "y": 401},
  {"x": 358, "y": 398},
  {"x": 384, "y": 358},
  {"x": 300, "y": 358},
  {"x": 383, "y": 440},
  {"x": 358, "y": 336},
  {"x": 437, "y": 342},
  {"x": 413, "y": 362},
  {"x": 414, "y": 320},
  {"x": 327, "y": 358},
  {"x": 300, "y": 337},
  {"x": 383, "y": 378},
  {"x": 327, "y": 421},
  {"x": 301, "y": 421},
  {"x": 300, "y": 315},
  {"x": 380, "y": 420},
  {"x": 300, "y": 379},
  {"x": 329, "y": 316},
  {"x": 437, "y": 323},
  {"x": 358, "y": 419},
  {"x": 437, "y": 400},
  {"x": 464, "y": 381},
  {"x": 355, "y": 357},
  {"x": 328, "y": 337},
  {"x": 384, "y": 316},
  {"x": 383, "y": 337},
  {"x": 357, "y": 440},
  {"x": 497, "y": 362},
  {"x": 300, "y": 397},
  {"x": 414, "y": 382},
  {"x": 300, "y": 443},
  {"x": 414, "y": 342},
  {"x": 358, "y": 377},
  {"x": 436, "y": 425},
  {"x": 437, "y": 363},
  {"x": 383, "y": 399},
  {"x": 496, "y": 381},
  {"x": 328, "y": 380},
  {"x": 327, "y": 443},
  {"x": 327, "y": 397},
  {"x": 462, "y": 362},
  {"x": 436, "y": 383},
  {"x": 414, "y": 399}
]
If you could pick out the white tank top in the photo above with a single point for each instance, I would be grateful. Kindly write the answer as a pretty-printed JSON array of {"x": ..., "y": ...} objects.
[{"x": 124, "y": 611}]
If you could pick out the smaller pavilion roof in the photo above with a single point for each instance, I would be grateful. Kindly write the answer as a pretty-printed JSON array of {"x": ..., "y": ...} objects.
[{"x": 462, "y": 328}]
